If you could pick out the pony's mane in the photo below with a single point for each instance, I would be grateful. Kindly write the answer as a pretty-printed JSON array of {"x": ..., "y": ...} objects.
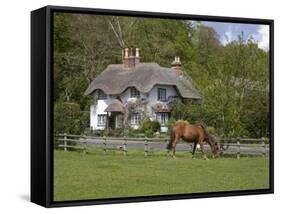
[{"x": 183, "y": 122}]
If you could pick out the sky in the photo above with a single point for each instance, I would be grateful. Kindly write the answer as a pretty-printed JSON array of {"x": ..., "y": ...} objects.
[{"x": 229, "y": 32}]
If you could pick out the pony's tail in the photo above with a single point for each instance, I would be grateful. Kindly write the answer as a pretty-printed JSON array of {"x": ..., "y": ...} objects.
[{"x": 169, "y": 145}]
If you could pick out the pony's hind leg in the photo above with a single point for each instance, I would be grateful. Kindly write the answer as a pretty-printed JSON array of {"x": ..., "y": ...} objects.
[
  {"x": 193, "y": 150},
  {"x": 175, "y": 141}
]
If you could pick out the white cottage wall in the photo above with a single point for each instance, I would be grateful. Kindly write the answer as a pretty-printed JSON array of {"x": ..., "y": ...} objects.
[
  {"x": 152, "y": 97},
  {"x": 97, "y": 109},
  {"x": 153, "y": 94}
]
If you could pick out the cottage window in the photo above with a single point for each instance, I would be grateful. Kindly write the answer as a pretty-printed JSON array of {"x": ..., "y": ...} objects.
[
  {"x": 162, "y": 117},
  {"x": 135, "y": 119},
  {"x": 101, "y": 119},
  {"x": 162, "y": 94},
  {"x": 135, "y": 92},
  {"x": 101, "y": 95}
]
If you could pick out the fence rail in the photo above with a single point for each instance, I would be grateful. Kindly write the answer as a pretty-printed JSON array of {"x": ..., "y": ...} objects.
[{"x": 238, "y": 146}]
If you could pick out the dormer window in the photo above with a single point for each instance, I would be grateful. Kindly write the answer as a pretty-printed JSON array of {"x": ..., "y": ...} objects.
[
  {"x": 162, "y": 95},
  {"x": 101, "y": 95},
  {"x": 135, "y": 92}
]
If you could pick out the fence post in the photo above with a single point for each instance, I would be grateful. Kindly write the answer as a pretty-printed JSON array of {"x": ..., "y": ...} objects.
[
  {"x": 104, "y": 144},
  {"x": 238, "y": 148},
  {"x": 263, "y": 146},
  {"x": 145, "y": 147},
  {"x": 65, "y": 141},
  {"x": 125, "y": 146}
]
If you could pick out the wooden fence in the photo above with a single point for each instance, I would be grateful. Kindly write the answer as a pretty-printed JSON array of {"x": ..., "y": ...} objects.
[
  {"x": 81, "y": 142},
  {"x": 239, "y": 143}
]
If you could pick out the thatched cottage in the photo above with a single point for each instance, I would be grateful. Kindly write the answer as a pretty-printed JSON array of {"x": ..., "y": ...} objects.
[{"x": 128, "y": 93}]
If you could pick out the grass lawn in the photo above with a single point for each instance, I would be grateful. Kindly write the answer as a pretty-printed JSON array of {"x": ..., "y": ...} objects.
[{"x": 98, "y": 175}]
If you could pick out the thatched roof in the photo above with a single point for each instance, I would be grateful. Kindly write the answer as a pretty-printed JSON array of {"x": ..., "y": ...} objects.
[
  {"x": 115, "y": 106},
  {"x": 115, "y": 79}
]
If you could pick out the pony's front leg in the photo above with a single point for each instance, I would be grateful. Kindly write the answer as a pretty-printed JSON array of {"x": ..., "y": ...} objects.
[
  {"x": 202, "y": 150},
  {"x": 171, "y": 152},
  {"x": 174, "y": 151}
]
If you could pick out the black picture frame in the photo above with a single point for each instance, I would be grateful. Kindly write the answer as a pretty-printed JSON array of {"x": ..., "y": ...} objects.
[{"x": 42, "y": 105}]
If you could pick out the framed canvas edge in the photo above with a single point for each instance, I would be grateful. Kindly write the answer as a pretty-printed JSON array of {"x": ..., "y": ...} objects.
[
  {"x": 153, "y": 14},
  {"x": 38, "y": 152},
  {"x": 49, "y": 202}
]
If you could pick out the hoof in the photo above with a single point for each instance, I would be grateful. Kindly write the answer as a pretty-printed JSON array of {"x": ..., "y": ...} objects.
[
  {"x": 174, "y": 157},
  {"x": 206, "y": 159},
  {"x": 193, "y": 158}
]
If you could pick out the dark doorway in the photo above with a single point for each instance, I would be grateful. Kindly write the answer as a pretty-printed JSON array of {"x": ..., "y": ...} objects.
[{"x": 111, "y": 121}]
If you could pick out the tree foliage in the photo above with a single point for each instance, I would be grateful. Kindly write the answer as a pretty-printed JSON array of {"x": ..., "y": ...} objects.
[
  {"x": 67, "y": 118},
  {"x": 232, "y": 79}
]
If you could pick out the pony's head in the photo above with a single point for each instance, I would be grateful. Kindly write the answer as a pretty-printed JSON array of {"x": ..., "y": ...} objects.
[{"x": 214, "y": 144}]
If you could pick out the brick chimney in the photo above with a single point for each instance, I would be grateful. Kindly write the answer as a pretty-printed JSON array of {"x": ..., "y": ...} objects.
[
  {"x": 131, "y": 57},
  {"x": 176, "y": 66},
  {"x": 137, "y": 56}
]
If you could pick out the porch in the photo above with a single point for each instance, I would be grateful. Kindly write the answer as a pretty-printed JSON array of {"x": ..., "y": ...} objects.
[{"x": 115, "y": 115}]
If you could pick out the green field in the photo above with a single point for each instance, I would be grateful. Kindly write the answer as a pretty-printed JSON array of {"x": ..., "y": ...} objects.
[{"x": 98, "y": 175}]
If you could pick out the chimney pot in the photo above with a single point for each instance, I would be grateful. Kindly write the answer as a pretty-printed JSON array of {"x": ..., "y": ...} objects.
[
  {"x": 131, "y": 57},
  {"x": 126, "y": 52},
  {"x": 176, "y": 66}
]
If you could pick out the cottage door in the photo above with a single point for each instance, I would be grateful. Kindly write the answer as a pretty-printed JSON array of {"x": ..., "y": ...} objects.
[{"x": 111, "y": 121}]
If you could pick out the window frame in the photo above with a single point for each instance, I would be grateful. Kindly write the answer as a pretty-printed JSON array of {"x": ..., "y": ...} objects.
[
  {"x": 160, "y": 96},
  {"x": 104, "y": 116},
  {"x": 134, "y": 92},
  {"x": 133, "y": 120},
  {"x": 162, "y": 118}
]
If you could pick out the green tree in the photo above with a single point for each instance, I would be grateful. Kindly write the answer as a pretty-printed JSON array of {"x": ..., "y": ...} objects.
[
  {"x": 233, "y": 79},
  {"x": 67, "y": 118}
]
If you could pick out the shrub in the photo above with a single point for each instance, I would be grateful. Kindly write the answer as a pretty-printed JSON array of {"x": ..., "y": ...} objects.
[
  {"x": 85, "y": 121},
  {"x": 152, "y": 126},
  {"x": 148, "y": 133},
  {"x": 98, "y": 133},
  {"x": 67, "y": 118},
  {"x": 118, "y": 132},
  {"x": 155, "y": 126},
  {"x": 134, "y": 132}
]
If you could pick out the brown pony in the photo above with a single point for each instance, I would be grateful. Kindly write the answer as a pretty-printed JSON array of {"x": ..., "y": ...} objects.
[{"x": 196, "y": 133}]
